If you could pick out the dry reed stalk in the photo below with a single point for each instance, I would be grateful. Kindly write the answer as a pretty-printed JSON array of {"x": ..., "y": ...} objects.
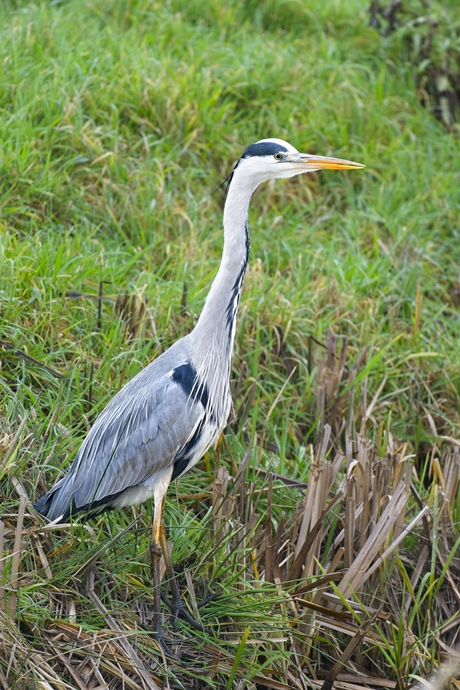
[
  {"x": 349, "y": 681},
  {"x": 2, "y": 570},
  {"x": 353, "y": 605},
  {"x": 192, "y": 594},
  {"x": 321, "y": 478},
  {"x": 358, "y": 571},
  {"x": 351, "y": 387},
  {"x": 223, "y": 507},
  {"x": 452, "y": 582},
  {"x": 452, "y": 473},
  {"x": 13, "y": 444},
  {"x": 330, "y": 376},
  {"x": 135, "y": 663},
  {"x": 367, "y": 679},
  {"x": 43, "y": 559},
  {"x": 16, "y": 558},
  {"x": 132, "y": 309},
  {"x": 269, "y": 541},
  {"x": 350, "y": 506},
  {"x": 234, "y": 515},
  {"x": 102, "y": 653},
  {"x": 314, "y": 513},
  {"x": 364, "y": 462},
  {"x": 372, "y": 404},
  {"x": 396, "y": 542},
  {"x": 399, "y": 528},
  {"x": 314, "y": 606},
  {"x": 346, "y": 626},
  {"x": 266, "y": 680},
  {"x": 348, "y": 651},
  {"x": 311, "y": 537},
  {"x": 25, "y": 668},
  {"x": 277, "y": 548},
  {"x": 448, "y": 475}
]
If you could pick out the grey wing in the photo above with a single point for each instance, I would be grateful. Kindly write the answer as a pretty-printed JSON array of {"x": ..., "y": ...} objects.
[{"x": 138, "y": 435}]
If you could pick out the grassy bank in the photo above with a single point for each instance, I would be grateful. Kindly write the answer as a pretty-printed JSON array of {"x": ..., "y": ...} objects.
[{"x": 117, "y": 122}]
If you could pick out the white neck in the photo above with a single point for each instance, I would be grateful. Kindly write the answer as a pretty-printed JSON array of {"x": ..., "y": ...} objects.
[
  {"x": 219, "y": 311},
  {"x": 212, "y": 338}
]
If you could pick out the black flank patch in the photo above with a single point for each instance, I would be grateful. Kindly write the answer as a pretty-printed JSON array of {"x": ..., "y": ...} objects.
[
  {"x": 182, "y": 459},
  {"x": 185, "y": 375},
  {"x": 263, "y": 148}
]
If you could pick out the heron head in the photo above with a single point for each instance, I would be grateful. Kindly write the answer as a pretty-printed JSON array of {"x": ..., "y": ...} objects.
[{"x": 275, "y": 158}]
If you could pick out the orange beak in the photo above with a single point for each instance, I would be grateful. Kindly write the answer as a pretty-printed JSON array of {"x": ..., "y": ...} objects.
[{"x": 324, "y": 162}]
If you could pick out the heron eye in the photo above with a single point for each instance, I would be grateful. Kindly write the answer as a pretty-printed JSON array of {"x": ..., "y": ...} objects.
[{"x": 278, "y": 156}]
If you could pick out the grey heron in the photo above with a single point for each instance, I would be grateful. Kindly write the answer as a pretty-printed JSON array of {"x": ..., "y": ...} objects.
[{"x": 159, "y": 425}]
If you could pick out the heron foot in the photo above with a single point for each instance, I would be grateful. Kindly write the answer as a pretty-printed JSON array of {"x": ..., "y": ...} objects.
[
  {"x": 210, "y": 597},
  {"x": 162, "y": 641},
  {"x": 167, "y": 651},
  {"x": 178, "y": 608}
]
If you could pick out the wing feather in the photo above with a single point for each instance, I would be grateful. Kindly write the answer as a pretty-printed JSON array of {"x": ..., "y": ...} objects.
[{"x": 136, "y": 436}]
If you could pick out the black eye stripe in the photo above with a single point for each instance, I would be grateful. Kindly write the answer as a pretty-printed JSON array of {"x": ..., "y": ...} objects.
[{"x": 264, "y": 148}]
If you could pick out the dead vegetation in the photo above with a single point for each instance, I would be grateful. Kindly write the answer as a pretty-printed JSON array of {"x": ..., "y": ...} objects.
[{"x": 356, "y": 586}]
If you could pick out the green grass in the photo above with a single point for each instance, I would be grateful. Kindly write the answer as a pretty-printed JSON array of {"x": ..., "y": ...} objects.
[{"x": 117, "y": 122}]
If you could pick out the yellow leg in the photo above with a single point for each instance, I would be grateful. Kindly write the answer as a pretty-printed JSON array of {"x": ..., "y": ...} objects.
[
  {"x": 155, "y": 557},
  {"x": 158, "y": 548}
]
